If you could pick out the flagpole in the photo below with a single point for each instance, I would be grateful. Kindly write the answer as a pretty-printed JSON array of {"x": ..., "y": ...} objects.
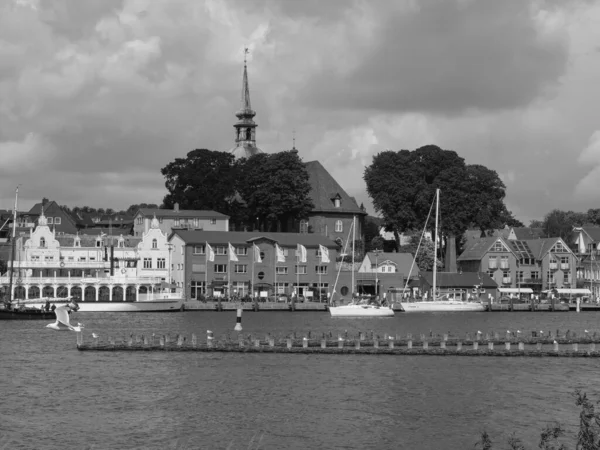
[
  {"x": 298, "y": 273},
  {"x": 252, "y": 279},
  {"x": 205, "y": 271},
  {"x": 229, "y": 272},
  {"x": 275, "y": 274}
]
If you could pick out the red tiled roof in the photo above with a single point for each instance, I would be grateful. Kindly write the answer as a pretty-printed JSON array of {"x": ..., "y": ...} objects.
[{"x": 245, "y": 237}]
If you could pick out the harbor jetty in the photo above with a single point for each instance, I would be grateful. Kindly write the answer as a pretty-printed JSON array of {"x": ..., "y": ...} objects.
[{"x": 511, "y": 343}]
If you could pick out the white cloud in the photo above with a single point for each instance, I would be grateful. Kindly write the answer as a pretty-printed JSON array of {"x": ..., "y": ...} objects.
[{"x": 26, "y": 156}]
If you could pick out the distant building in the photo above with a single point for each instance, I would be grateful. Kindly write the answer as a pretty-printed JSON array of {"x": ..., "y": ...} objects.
[
  {"x": 587, "y": 247},
  {"x": 193, "y": 270},
  {"x": 536, "y": 264},
  {"x": 391, "y": 272},
  {"x": 56, "y": 217},
  {"x": 334, "y": 210},
  {"x": 173, "y": 219},
  {"x": 88, "y": 268},
  {"x": 459, "y": 285}
]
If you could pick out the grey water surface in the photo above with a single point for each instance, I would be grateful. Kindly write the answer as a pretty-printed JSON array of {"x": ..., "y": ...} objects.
[{"x": 53, "y": 396}]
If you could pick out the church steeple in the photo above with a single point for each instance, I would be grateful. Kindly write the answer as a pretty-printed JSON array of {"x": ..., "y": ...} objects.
[{"x": 245, "y": 128}]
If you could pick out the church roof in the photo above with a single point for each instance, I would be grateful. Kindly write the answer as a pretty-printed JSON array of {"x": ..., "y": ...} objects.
[{"x": 324, "y": 190}]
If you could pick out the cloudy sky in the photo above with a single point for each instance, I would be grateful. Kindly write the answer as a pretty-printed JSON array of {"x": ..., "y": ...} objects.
[{"x": 97, "y": 96}]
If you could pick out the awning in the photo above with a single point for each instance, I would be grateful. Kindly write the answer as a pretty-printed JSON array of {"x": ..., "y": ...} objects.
[
  {"x": 515, "y": 290},
  {"x": 572, "y": 291}
]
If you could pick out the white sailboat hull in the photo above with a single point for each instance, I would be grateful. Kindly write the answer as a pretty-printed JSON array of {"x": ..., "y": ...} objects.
[
  {"x": 441, "y": 306},
  {"x": 361, "y": 311}
]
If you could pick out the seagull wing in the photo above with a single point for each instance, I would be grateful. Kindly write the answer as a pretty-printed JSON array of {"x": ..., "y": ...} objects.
[{"x": 62, "y": 315}]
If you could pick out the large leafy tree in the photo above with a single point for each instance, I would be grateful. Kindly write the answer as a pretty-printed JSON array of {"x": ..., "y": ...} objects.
[
  {"x": 559, "y": 223},
  {"x": 275, "y": 189},
  {"x": 205, "y": 179},
  {"x": 402, "y": 186}
]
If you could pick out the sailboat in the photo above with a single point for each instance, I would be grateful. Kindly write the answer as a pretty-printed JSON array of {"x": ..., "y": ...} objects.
[
  {"x": 436, "y": 304},
  {"x": 358, "y": 308},
  {"x": 16, "y": 310}
]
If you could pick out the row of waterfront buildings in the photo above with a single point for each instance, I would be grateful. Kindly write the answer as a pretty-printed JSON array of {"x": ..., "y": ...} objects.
[
  {"x": 117, "y": 257},
  {"x": 216, "y": 262}
]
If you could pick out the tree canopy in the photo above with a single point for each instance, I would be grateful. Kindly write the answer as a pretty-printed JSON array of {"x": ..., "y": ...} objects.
[
  {"x": 402, "y": 186},
  {"x": 266, "y": 191},
  {"x": 275, "y": 189}
]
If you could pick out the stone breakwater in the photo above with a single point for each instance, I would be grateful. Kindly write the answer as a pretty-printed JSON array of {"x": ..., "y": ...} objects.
[{"x": 535, "y": 344}]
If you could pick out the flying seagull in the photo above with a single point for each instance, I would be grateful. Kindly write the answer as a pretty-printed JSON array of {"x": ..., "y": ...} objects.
[
  {"x": 95, "y": 336},
  {"x": 62, "y": 318}
]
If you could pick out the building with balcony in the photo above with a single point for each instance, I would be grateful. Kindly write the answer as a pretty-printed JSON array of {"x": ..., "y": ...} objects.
[
  {"x": 179, "y": 219},
  {"x": 88, "y": 268},
  {"x": 243, "y": 273},
  {"x": 587, "y": 245},
  {"x": 526, "y": 266}
]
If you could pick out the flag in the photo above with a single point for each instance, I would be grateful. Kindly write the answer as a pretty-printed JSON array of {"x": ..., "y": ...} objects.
[
  {"x": 324, "y": 254},
  {"x": 210, "y": 253},
  {"x": 280, "y": 254},
  {"x": 256, "y": 250},
  {"x": 232, "y": 255},
  {"x": 301, "y": 253}
]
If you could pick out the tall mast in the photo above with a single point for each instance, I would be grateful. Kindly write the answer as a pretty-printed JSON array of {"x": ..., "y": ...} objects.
[
  {"x": 437, "y": 206},
  {"x": 12, "y": 254},
  {"x": 353, "y": 240}
]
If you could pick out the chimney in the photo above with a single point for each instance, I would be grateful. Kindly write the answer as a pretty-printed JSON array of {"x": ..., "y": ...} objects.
[
  {"x": 450, "y": 263},
  {"x": 44, "y": 201},
  {"x": 176, "y": 207}
]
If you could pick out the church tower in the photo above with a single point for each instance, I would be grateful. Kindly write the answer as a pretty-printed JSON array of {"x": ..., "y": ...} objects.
[{"x": 245, "y": 128}]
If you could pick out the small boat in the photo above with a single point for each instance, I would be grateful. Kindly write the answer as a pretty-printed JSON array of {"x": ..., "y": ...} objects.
[
  {"x": 439, "y": 304},
  {"x": 26, "y": 314},
  {"x": 358, "y": 308}
]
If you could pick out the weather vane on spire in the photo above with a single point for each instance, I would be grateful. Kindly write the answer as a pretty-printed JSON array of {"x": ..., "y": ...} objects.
[{"x": 246, "y": 51}]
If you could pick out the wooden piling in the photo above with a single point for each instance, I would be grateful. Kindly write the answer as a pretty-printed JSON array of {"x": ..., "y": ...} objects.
[
  {"x": 409, "y": 345},
  {"x": 490, "y": 346},
  {"x": 521, "y": 346},
  {"x": 323, "y": 343},
  {"x": 507, "y": 346},
  {"x": 475, "y": 345},
  {"x": 443, "y": 345},
  {"x": 458, "y": 346},
  {"x": 425, "y": 345},
  {"x": 289, "y": 343}
]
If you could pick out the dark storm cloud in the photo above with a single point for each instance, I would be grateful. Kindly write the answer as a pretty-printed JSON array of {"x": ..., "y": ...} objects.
[{"x": 448, "y": 56}]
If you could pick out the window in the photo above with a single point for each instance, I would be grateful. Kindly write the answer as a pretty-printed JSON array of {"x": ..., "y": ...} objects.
[
  {"x": 42, "y": 242},
  {"x": 242, "y": 251},
  {"x": 77, "y": 242},
  {"x": 281, "y": 270},
  {"x": 121, "y": 243},
  {"x": 559, "y": 248},
  {"x": 220, "y": 268},
  {"x": 177, "y": 222},
  {"x": 535, "y": 275},
  {"x": 35, "y": 257},
  {"x": 491, "y": 273},
  {"x": 504, "y": 262},
  {"x": 336, "y": 202},
  {"x": 241, "y": 268},
  {"x": 338, "y": 226},
  {"x": 50, "y": 220},
  {"x": 199, "y": 249},
  {"x": 213, "y": 221},
  {"x": 160, "y": 220},
  {"x": 303, "y": 226},
  {"x": 262, "y": 255},
  {"x": 147, "y": 263},
  {"x": 195, "y": 222},
  {"x": 300, "y": 270},
  {"x": 499, "y": 247},
  {"x": 98, "y": 243},
  {"x": 493, "y": 262},
  {"x": 161, "y": 263},
  {"x": 140, "y": 220},
  {"x": 221, "y": 250},
  {"x": 57, "y": 221},
  {"x": 198, "y": 289},
  {"x": 550, "y": 276},
  {"x": 48, "y": 258},
  {"x": 82, "y": 258},
  {"x": 520, "y": 276},
  {"x": 154, "y": 243},
  {"x": 322, "y": 270}
]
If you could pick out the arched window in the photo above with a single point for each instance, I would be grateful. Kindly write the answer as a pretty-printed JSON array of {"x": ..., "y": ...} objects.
[
  {"x": 339, "y": 227},
  {"x": 154, "y": 243},
  {"x": 304, "y": 226},
  {"x": 42, "y": 242}
]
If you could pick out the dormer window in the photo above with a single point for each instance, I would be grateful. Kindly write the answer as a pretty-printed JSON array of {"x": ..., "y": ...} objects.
[
  {"x": 121, "y": 243},
  {"x": 77, "y": 242},
  {"x": 336, "y": 202},
  {"x": 154, "y": 243},
  {"x": 98, "y": 243}
]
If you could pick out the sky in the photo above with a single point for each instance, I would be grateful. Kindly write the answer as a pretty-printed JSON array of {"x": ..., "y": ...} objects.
[{"x": 97, "y": 96}]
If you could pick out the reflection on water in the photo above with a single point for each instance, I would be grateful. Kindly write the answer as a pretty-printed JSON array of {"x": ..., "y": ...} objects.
[{"x": 56, "y": 397}]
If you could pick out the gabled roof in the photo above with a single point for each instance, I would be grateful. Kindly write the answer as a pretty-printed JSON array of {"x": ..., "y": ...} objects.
[
  {"x": 403, "y": 261},
  {"x": 246, "y": 237},
  {"x": 38, "y": 207},
  {"x": 593, "y": 231},
  {"x": 476, "y": 249},
  {"x": 88, "y": 240},
  {"x": 182, "y": 213},
  {"x": 324, "y": 189},
  {"x": 525, "y": 233},
  {"x": 460, "y": 279},
  {"x": 540, "y": 247}
]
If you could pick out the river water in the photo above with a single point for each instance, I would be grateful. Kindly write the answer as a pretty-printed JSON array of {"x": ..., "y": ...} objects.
[{"x": 56, "y": 397}]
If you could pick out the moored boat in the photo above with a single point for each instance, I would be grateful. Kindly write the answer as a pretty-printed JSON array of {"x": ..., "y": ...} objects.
[{"x": 361, "y": 310}]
